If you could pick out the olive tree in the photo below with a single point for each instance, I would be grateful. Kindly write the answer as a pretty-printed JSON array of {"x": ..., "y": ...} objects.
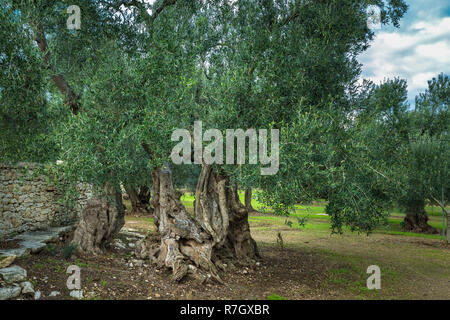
[
  {"x": 136, "y": 71},
  {"x": 407, "y": 147},
  {"x": 426, "y": 158}
]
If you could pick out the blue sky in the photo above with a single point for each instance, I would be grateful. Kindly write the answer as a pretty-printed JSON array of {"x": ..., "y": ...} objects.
[{"x": 417, "y": 51}]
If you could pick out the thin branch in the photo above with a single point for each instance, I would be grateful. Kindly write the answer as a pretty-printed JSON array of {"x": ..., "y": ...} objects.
[
  {"x": 71, "y": 99},
  {"x": 295, "y": 13},
  {"x": 149, "y": 19},
  {"x": 440, "y": 205}
]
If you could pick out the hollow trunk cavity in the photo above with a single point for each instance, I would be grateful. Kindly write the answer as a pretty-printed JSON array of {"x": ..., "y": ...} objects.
[{"x": 139, "y": 199}]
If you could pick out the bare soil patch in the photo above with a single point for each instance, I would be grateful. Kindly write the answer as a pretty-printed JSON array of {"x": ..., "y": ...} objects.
[
  {"x": 288, "y": 273},
  {"x": 312, "y": 265},
  {"x": 9, "y": 244}
]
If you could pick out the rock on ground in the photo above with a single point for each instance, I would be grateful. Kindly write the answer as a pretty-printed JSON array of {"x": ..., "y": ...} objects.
[
  {"x": 119, "y": 244},
  {"x": 54, "y": 293},
  {"x": 138, "y": 263},
  {"x": 7, "y": 261},
  {"x": 37, "y": 295},
  {"x": 18, "y": 252},
  {"x": 78, "y": 294},
  {"x": 9, "y": 292},
  {"x": 13, "y": 274},
  {"x": 34, "y": 241},
  {"x": 27, "y": 287}
]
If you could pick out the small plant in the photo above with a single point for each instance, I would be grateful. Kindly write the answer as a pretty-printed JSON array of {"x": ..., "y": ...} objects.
[
  {"x": 275, "y": 297},
  {"x": 51, "y": 261},
  {"x": 39, "y": 266},
  {"x": 58, "y": 268},
  {"x": 82, "y": 264},
  {"x": 51, "y": 249},
  {"x": 69, "y": 250},
  {"x": 280, "y": 240}
]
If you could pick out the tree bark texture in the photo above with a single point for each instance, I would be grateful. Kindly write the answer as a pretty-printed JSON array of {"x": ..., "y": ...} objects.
[
  {"x": 216, "y": 236},
  {"x": 416, "y": 219},
  {"x": 100, "y": 222}
]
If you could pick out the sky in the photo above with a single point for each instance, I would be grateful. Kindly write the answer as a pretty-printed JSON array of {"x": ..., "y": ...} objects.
[{"x": 417, "y": 51}]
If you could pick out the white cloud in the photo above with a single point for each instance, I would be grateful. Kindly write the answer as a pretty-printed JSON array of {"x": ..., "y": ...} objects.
[{"x": 416, "y": 53}]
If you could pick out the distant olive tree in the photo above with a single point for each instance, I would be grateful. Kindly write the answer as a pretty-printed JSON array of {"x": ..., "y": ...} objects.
[{"x": 409, "y": 147}]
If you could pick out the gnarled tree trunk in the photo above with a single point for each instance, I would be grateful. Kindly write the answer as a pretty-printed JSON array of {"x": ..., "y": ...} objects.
[
  {"x": 218, "y": 233},
  {"x": 248, "y": 200},
  {"x": 416, "y": 219},
  {"x": 139, "y": 199},
  {"x": 219, "y": 210},
  {"x": 184, "y": 245},
  {"x": 100, "y": 222}
]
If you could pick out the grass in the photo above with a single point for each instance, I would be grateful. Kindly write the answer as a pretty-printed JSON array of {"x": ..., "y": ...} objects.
[
  {"x": 82, "y": 264},
  {"x": 188, "y": 199},
  {"x": 39, "y": 266},
  {"x": 400, "y": 256},
  {"x": 317, "y": 219},
  {"x": 316, "y": 210},
  {"x": 413, "y": 266},
  {"x": 315, "y": 214},
  {"x": 275, "y": 297}
]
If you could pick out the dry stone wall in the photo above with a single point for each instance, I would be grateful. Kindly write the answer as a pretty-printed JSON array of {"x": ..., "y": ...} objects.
[{"x": 28, "y": 202}]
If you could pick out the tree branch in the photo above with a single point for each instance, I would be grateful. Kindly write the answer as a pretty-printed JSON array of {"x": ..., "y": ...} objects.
[
  {"x": 71, "y": 99},
  {"x": 293, "y": 15},
  {"x": 149, "y": 19},
  {"x": 440, "y": 204}
]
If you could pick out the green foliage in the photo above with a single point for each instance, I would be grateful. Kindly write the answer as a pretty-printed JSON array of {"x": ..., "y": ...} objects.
[
  {"x": 416, "y": 147},
  {"x": 432, "y": 107},
  {"x": 68, "y": 251},
  {"x": 25, "y": 113},
  {"x": 288, "y": 65},
  {"x": 293, "y": 67},
  {"x": 51, "y": 249}
]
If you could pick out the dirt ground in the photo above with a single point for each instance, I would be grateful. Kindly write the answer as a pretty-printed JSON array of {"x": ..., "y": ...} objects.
[{"x": 312, "y": 264}]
